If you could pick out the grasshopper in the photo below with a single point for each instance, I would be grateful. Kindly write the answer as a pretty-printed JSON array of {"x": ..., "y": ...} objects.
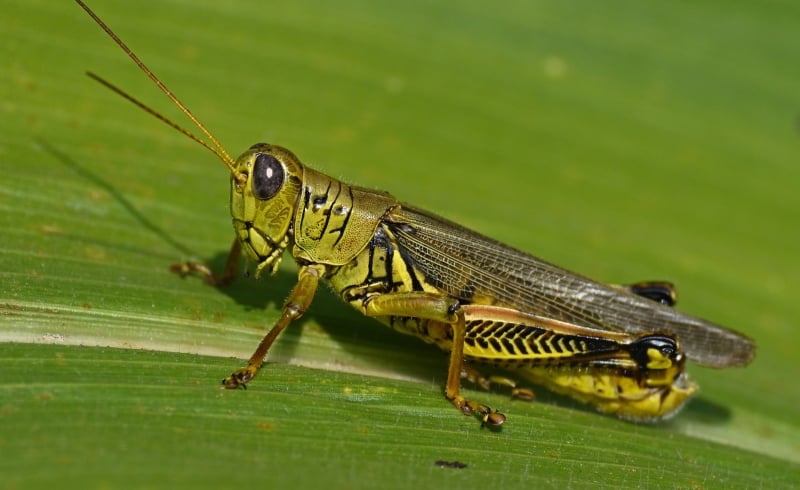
[{"x": 622, "y": 349}]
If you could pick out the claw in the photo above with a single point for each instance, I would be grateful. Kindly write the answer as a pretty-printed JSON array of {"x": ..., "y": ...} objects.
[
  {"x": 522, "y": 394},
  {"x": 493, "y": 420},
  {"x": 238, "y": 379},
  {"x": 490, "y": 417}
]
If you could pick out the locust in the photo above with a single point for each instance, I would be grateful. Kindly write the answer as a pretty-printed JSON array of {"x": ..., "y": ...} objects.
[{"x": 622, "y": 349}]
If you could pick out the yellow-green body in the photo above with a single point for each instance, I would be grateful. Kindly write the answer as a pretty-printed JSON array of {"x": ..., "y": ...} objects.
[{"x": 478, "y": 299}]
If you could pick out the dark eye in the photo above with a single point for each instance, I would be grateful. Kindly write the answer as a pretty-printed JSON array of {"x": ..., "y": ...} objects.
[{"x": 268, "y": 175}]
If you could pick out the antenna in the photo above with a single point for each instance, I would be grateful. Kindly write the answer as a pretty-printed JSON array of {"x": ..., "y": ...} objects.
[{"x": 217, "y": 149}]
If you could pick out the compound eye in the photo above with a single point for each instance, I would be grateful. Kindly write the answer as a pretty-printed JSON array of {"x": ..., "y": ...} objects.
[{"x": 268, "y": 176}]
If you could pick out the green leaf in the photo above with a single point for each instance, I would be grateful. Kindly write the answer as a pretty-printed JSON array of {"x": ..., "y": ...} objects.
[{"x": 624, "y": 141}]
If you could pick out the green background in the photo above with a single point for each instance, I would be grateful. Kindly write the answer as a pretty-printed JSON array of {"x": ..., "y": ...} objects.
[{"x": 624, "y": 140}]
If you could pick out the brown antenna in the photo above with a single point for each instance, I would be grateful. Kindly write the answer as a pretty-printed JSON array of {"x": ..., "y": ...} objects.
[{"x": 217, "y": 149}]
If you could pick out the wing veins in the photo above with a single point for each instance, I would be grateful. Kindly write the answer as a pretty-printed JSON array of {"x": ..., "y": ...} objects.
[{"x": 452, "y": 257}]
